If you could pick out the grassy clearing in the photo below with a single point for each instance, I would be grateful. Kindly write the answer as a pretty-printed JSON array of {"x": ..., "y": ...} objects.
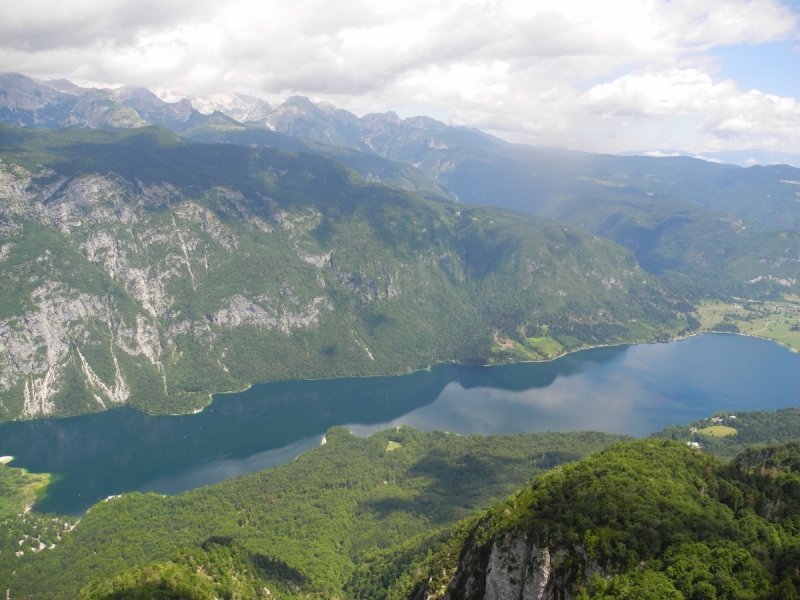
[
  {"x": 393, "y": 446},
  {"x": 718, "y": 431},
  {"x": 530, "y": 349},
  {"x": 19, "y": 489},
  {"x": 544, "y": 346},
  {"x": 778, "y": 321}
]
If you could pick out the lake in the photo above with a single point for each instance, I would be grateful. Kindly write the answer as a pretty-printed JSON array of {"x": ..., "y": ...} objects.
[{"x": 625, "y": 389}]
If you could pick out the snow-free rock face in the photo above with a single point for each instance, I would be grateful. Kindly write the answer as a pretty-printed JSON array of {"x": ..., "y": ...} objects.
[
  {"x": 153, "y": 247},
  {"x": 512, "y": 568},
  {"x": 241, "y": 107},
  {"x": 518, "y": 571},
  {"x": 98, "y": 109},
  {"x": 152, "y": 108},
  {"x": 29, "y": 102},
  {"x": 383, "y": 134}
]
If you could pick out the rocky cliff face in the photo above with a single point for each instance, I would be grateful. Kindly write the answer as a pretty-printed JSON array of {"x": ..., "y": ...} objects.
[
  {"x": 149, "y": 247},
  {"x": 513, "y": 567}
]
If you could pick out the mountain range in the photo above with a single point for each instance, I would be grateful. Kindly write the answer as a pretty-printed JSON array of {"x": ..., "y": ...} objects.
[
  {"x": 710, "y": 228},
  {"x": 153, "y": 253}
]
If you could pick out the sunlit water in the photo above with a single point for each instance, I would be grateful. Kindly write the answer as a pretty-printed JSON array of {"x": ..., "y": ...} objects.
[{"x": 628, "y": 389}]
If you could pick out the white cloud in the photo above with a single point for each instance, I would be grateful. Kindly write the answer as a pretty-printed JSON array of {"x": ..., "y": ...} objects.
[
  {"x": 518, "y": 67},
  {"x": 726, "y": 111},
  {"x": 711, "y": 22},
  {"x": 660, "y": 154}
]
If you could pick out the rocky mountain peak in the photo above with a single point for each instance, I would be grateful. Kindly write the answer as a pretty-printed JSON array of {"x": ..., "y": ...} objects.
[
  {"x": 137, "y": 97},
  {"x": 65, "y": 86},
  {"x": 18, "y": 92},
  {"x": 240, "y": 107},
  {"x": 385, "y": 117},
  {"x": 98, "y": 109}
]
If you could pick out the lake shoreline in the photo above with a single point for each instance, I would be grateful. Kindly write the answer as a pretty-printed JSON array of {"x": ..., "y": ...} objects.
[
  {"x": 623, "y": 389},
  {"x": 421, "y": 369}
]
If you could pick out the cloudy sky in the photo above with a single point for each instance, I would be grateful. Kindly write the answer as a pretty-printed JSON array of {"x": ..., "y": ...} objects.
[{"x": 600, "y": 75}]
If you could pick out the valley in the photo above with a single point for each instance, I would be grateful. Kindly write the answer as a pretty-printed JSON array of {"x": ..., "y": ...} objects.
[
  {"x": 388, "y": 516},
  {"x": 778, "y": 321},
  {"x": 284, "y": 351},
  {"x": 627, "y": 390},
  {"x": 189, "y": 269}
]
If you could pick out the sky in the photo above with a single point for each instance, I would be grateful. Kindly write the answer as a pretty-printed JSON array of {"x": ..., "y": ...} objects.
[{"x": 595, "y": 75}]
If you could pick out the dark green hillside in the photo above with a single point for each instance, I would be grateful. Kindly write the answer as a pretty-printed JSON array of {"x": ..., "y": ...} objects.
[
  {"x": 643, "y": 519},
  {"x": 369, "y": 166},
  {"x": 537, "y": 182},
  {"x": 161, "y": 271},
  {"x": 220, "y": 568},
  {"x": 712, "y": 228},
  {"x": 307, "y": 523}
]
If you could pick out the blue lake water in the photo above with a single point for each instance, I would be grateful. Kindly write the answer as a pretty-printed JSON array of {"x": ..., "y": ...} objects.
[{"x": 626, "y": 389}]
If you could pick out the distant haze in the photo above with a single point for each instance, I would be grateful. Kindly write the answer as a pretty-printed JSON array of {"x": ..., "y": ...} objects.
[{"x": 702, "y": 76}]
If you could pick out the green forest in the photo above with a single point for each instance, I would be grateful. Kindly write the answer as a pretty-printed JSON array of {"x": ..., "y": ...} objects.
[
  {"x": 375, "y": 517},
  {"x": 19, "y": 489},
  {"x": 310, "y": 521},
  {"x": 188, "y": 269},
  {"x": 645, "y": 519}
]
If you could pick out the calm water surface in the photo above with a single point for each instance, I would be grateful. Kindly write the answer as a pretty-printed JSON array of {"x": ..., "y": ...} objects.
[{"x": 627, "y": 389}]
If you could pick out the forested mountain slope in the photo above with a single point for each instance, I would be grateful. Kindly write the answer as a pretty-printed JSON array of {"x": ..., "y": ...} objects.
[
  {"x": 647, "y": 519},
  {"x": 140, "y": 269},
  {"x": 370, "y": 166},
  {"x": 717, "y": 229},
  {"x": 310, "y": 527},
  {"x": 709, "y": 252},
  {"x": 378, "y": 518}
]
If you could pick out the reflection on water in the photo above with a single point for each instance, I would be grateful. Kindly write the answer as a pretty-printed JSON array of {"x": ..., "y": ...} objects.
[
  {"x": 634, "y": 390},
  {"x": 223, "y": 467}
]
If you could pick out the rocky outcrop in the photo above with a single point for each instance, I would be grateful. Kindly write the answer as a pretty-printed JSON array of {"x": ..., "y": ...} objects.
[
  {"x": 242, "y": 312},
  {"x": 152, "y": 241},
  {"x": 36, "y": 347},
  {"x": 511, "y": 567},
  {"x": 518, "y": 571}
]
